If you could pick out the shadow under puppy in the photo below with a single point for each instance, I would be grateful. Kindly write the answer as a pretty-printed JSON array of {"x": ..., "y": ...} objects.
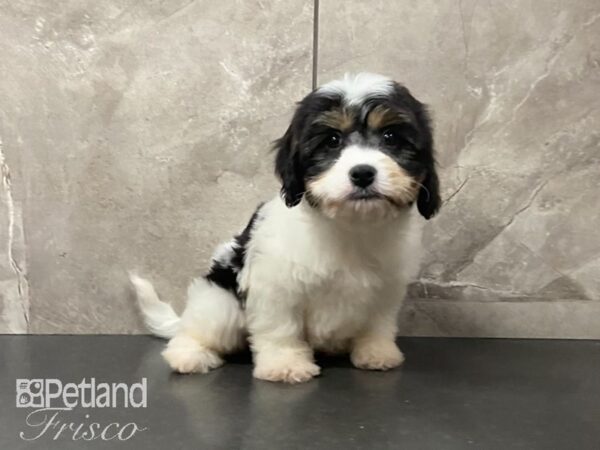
[{"x": 325, "y": 265}]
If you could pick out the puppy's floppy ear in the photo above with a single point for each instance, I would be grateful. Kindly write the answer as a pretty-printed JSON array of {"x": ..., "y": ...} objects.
[
  {"x": 288, "y": 167},
  {"x": 429, "y": 200}
]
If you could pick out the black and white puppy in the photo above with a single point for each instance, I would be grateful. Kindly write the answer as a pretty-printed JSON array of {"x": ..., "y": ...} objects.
[{"x": 325, "y": 265}]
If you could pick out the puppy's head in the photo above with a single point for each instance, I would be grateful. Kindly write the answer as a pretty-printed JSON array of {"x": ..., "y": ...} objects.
[{"x": 361, "y": 146}]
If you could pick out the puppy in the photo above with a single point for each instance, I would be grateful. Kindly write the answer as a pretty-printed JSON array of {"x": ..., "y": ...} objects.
[{"x": 325, "y": 265}]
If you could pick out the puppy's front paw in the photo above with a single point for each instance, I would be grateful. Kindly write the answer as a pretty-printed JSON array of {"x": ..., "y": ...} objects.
[
  {"x": 376, "y": 355},
  {"x": 287, "y": 370}
]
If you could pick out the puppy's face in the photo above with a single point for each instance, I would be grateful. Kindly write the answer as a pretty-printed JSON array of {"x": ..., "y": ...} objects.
[{"x": 359, "y": 147}]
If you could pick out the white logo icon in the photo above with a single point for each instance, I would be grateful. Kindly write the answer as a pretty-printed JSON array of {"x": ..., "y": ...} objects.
[{"x": 30, "y": 393}]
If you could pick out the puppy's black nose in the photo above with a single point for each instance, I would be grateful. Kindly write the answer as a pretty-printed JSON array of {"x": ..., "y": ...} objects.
[{"x": 363, "y": 175}]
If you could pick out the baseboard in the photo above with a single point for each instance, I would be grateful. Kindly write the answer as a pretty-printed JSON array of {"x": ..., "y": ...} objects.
[{"x": 565, "y": 319}]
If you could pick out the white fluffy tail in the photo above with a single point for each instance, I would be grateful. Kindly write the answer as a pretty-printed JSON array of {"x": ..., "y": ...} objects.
[{"x": 159, "y": 317}]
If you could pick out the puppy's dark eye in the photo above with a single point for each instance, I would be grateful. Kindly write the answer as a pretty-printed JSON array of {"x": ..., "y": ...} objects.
[
  {"x": 333, "y": 140},
  {"x": 391, "y": 138}
]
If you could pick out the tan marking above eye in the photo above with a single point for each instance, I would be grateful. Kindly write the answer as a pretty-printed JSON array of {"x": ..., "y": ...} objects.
[
  {"x": 340, "y": 119},
  {"x": 382, "y": 116}
]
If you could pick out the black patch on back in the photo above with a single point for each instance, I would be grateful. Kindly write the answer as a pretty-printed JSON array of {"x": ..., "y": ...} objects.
[{"x": 225, "y": 273}]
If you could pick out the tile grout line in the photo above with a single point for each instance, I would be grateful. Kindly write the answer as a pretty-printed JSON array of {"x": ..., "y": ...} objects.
[{"x": 315, "y": 49}]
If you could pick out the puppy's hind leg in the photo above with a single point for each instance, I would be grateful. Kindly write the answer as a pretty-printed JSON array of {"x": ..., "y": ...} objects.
[{"x": 211, "y": 325}]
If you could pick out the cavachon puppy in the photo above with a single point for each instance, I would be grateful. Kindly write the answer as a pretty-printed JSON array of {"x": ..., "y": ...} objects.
[{"x": 324, "y": 266}]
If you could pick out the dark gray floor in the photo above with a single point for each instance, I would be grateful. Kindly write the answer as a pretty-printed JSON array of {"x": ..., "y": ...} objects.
[{"x": 450, "y": 394}]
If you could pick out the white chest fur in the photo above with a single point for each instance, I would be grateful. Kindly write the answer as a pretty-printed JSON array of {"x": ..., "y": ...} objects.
[
  {"x": 330, "y": 277},
  {"x": 337, "y": 310}
]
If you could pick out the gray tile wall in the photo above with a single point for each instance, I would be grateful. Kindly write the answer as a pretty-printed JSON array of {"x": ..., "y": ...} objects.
[{"x": 136, "y": 135}]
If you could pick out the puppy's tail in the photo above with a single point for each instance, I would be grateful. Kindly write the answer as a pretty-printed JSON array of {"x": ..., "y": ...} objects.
[{"x": 159, "y": 317}]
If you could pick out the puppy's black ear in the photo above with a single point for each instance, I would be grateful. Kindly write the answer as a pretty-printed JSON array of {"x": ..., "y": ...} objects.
[
  {"x": 288, "y": 167},
  {"x": 429, "y": 200}
]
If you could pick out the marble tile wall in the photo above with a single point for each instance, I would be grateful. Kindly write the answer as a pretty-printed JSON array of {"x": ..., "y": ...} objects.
[{"x": 132, "y": 134}]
